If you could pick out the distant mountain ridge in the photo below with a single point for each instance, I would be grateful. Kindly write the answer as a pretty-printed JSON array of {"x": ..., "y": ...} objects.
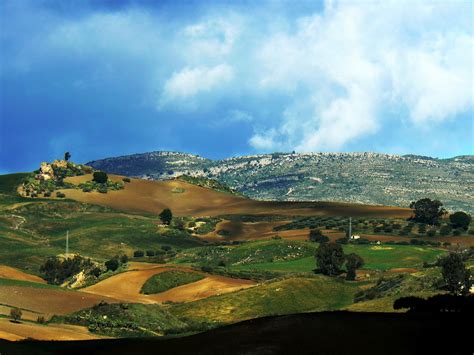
[{"x": 370, "y": 178}]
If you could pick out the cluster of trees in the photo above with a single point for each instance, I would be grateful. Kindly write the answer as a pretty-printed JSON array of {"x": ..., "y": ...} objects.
[
  {"x": 430, "y": 212},
  {"x": 330, "y": 259},
  {"x": 114, "y": 263},
  {"x": 455, "y": 274},
  {"x": 55, "y": 270}
]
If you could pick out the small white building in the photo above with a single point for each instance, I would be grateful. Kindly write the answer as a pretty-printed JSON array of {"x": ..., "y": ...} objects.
[{"x": 354, "y": 237}]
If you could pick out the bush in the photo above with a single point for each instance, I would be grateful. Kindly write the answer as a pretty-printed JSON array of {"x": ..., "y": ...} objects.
[
  {"x": 95, "y": 272},
  {"x": 445, "y": 230},
  {"x": 166, "y": 248},
  {"x": 86, "y": 189},
  {"x": 166, "y": 216},
  {"x": 60, "y": 194},
  {"x": 150, "y": 253},
  {"x": 315, "y": 235},
  {"x": 100, "y": 177},
  {"x": 460, "y": 220},
  {"x": 15, "y": 314},
  {"x": 457, "y": 232},
  {"x": 138, "y": 254},
  {"x": 471, "y": 232},
  {"x": 102, "y": 189},
  {"x": 40, "y": 320},
  {"x": 126, "y": 179},
  {"x": 431, "y": 233},
  {"x": 124, "y": 259},
  {"x": 112, "y": 264},
  {"x": 206, "y": 268},
  {"x": 47, "y": 194}
]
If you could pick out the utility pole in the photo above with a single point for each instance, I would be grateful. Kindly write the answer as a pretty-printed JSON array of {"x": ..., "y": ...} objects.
[
  {"x": 350, "y": 227},
  {"x": 67, "y": 244}
]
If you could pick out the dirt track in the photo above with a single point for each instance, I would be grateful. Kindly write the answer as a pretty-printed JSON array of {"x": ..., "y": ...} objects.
[
  {"x": 153, "y": 196},
  {"x": 126, "y": 286}
]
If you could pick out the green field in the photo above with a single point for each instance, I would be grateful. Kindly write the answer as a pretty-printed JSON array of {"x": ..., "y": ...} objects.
[
  {"x": 375, "y": 257},
  {"x": 301, "y": 294},
  {"x": 167, "y": 280}
]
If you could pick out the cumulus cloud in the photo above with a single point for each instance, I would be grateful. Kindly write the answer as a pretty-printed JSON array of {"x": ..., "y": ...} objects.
[
  {"x": 355, "y": 61},
  {"x": 189, "y": 82},
  {"x": 305, "y": 81}
]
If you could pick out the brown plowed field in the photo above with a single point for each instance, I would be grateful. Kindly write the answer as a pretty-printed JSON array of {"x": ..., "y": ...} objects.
[
  {"x": 127, "y": 285},
  {"x": 7, "y": 272},
  {"x": 153, "y": 196},
  {"x": 48, "y": 302},
  {"x": 23, "y": 330}
]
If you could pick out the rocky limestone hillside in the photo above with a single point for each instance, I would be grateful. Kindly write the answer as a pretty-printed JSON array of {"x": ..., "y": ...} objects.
[{"x": 369, "y": 178}]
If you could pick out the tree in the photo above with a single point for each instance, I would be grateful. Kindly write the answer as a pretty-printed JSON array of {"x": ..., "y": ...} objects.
[
  {"x": 16, "y": 314},
  {"x": 112, "y": 264},
  {"x": 427, "y": 211},
  {"x": 329, "y": 258},
  {"x": 100, "y": 177},
  {"x": 455, "y": 274},
  {"x": 460, "y": 220},
  {"x": 124, "y": 259},
  {"x": 67, "y": 156},
  {"x": 166, "y": 216},
  {"x": 315, "y": 235},
  {"x": 353, "y": 262}
]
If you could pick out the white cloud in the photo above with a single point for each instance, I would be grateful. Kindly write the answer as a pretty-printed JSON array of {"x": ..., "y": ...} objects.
[
  {"x": 189, "y": 82},
  {"x": 355, "y": 60}
]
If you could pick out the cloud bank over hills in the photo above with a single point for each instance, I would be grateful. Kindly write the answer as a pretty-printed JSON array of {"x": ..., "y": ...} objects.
[{"x": 232, "y": 78}]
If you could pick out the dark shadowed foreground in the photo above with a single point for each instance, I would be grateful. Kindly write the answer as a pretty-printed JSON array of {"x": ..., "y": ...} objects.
[{"x": 321, "y": 333}]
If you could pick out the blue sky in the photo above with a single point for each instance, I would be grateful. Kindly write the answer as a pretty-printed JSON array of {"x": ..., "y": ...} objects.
[{"x": 225, "y": 78}]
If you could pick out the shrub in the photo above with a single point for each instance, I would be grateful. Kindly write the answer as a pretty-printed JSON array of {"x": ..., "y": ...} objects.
[
  {"x": 315, "y": 235},
  {"x": 124, "y": 259},
  {"x": 150, "y": 253},
  {"x": 102, "y": 189},
  {"x": 60, "y": 194},
  {"x": 40, "y": 320},
  {"x": 353, "y": 262},
  {"x": 15, "y": 314},
  {"x": 206, "y": 268},
  {"x": 100, "y": 177},
  {"x": 455, "y": 274},
  {"x": 112, "y": 264},
  {"x": 126, "y": 179},
  {"x": 95, "y": 272},
  {"x": 47, "y": 194},
  {"x": 471, "y": 232},
  {"x": 166, "y": 216},
  {"x": 445, "y": 230},
  {"x": 431, "y": 233},
  {"x": 460, "y": 220},
  {"x": 446, "y": 244},
  {"x": 166, "y": 248},
  {"x": 457, "y": 232},
  {"x": 344, "y": 240},
  {"x": 138, "y": 254},
  {"x": 86, "y": 189}
]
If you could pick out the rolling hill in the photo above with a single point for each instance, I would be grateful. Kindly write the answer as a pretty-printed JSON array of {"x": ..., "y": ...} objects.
[{"x": 367, "y": 178}]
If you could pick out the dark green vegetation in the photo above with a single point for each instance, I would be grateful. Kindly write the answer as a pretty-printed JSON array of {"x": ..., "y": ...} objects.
[
  {"x": 10, "y": 182},
  {"x": 166, "y": 216},
  {"x": 377, "y": 226},
  {"x": 455, "y": 274},
  {"x": 169, "y": 279},
  {"x": 460, "y": 220},
  {"x": 352, "y": 177},
  {"x": 427, "y": 211},
  {"x": 127, "y": 320}
]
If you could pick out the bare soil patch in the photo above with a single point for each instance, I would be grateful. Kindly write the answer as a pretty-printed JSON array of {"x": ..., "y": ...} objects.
[
  {"x": 126, "y": 286},
  {"x": 7, "y": 272}
]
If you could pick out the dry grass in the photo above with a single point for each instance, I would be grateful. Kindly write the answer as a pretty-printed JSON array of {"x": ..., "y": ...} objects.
[{"x": 7, "y": 272}]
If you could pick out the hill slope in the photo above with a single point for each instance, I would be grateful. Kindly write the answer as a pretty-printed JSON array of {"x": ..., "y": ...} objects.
[
  {"x": 369, "y": 178},
  {"x": 186, "y": 199}
]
